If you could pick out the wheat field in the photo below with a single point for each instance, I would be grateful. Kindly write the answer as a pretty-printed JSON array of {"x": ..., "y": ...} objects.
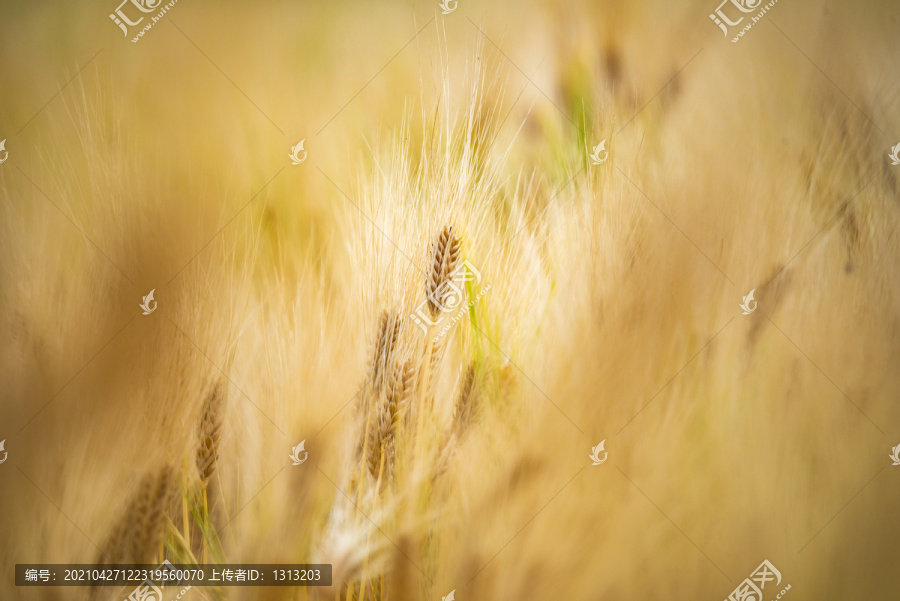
[{"x": 500, "y": 293}]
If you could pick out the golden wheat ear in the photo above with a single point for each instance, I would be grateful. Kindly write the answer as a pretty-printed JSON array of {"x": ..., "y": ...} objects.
[
  {"x": 400, "y": 393},
  {"x": 150, "y": 514},
  {"x": 139, "y": 533},
  {"x": 445, "y": 258},
  {"x": 445, "y": 254},
  {"x": 389, "y": 325},
  {"x": 379, "y": 449},
  {"x": 375, "y": 361},
  {"x": 211, "y": 419},
  {"x": 389, "y": 415},
  {"x": 465, "y": 409},
  {"x": 375, "y": 445},
  {"x": 464, "y": 415}
]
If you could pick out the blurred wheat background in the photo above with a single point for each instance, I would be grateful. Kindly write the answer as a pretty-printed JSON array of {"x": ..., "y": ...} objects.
[{"x": 457, "y": 463}]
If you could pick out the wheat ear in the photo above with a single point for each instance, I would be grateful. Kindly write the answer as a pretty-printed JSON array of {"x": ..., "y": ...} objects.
[
  {"x": 389, "y": 416},
  {"x": 445, "y": 254},
  {"x": 150, "y": 513},
  {"x": 463, "y": 415},
  {"x": 211, "y": 419},
  {"x": 363, "y": 404},
  {"x": 403, "y": 385},
  {"x": 445, "y": 258},
  {"x": 139, "y": 532},
  {"x": 464, "y": 411},
  {"x": 377, "y": 426},
  {"x": 385, "y": 346}
]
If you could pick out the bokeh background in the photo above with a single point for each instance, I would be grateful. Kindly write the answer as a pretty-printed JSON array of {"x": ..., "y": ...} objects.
[{"x": 613, "y": 311}]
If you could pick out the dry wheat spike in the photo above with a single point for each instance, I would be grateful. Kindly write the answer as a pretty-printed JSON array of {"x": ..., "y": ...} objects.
[
  {"x": 211, "y": 419},
  {"x": 464, "y": 411},
  {"x": 444, "y": 260},
  {"x": 137, "y": 536}
]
